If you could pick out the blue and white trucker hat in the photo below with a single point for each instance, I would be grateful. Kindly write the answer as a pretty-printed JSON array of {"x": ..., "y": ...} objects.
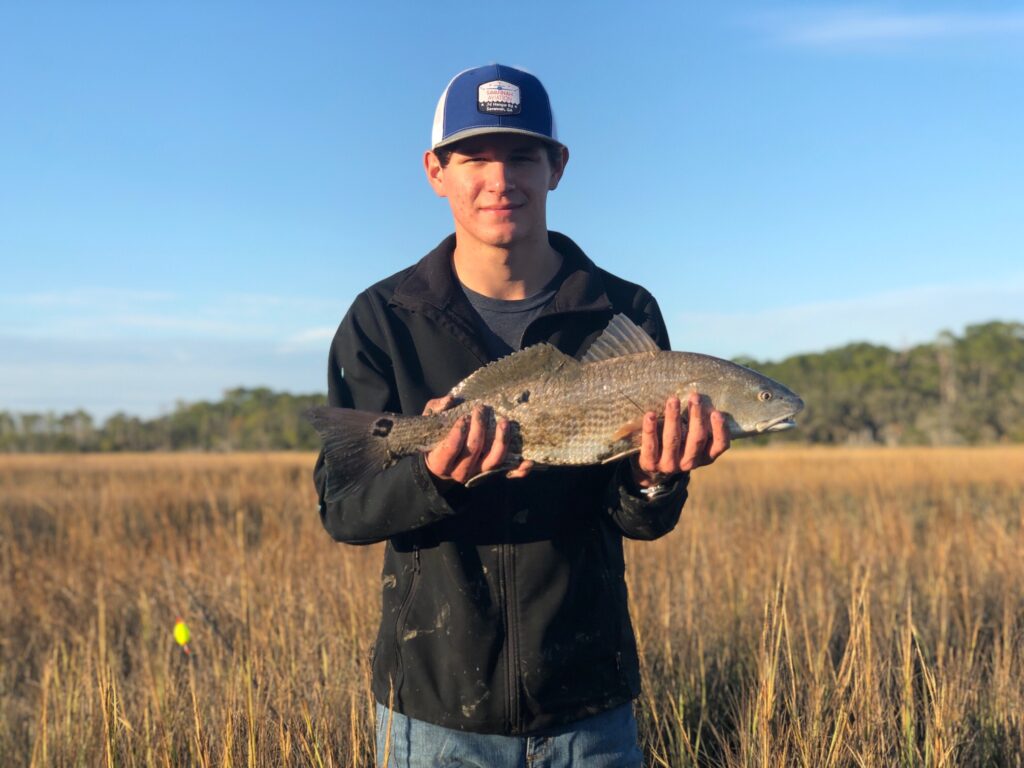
[{"x": 493, "y": 99}]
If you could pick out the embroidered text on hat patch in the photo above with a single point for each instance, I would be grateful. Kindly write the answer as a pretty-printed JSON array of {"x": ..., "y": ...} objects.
[{"x": 498, "y": 98}]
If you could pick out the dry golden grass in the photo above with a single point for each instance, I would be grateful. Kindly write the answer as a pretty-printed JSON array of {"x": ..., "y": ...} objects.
[{"x": 815, "y": 607}]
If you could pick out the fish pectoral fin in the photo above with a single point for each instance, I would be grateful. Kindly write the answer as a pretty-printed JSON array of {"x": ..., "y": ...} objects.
[
  {"x": 510, "y": 463},
  {"x": 627, "y": 438},
  {"x": 477, "y": 479},
  {"x": 630, "y": 430},
  {"x": 621, "y": 455}
]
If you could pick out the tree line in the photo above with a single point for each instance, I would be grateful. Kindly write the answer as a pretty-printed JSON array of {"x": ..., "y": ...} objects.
[
  {"x": 955, "y": 390},
  {"x": 256, "y": 419}
]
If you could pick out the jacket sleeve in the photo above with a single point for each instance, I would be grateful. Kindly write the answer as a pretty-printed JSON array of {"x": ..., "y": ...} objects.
[
  {"x": 402, "y": 497},
  {"x": 640, "y": 518},
  {"x": 636, "y": 516}
]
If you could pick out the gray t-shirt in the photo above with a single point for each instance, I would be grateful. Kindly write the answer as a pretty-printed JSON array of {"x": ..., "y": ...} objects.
[{"x": 503, "y": 321}]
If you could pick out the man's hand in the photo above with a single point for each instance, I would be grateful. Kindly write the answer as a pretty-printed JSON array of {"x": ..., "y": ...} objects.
[
  {"x": 671, "y": 455},
  {"x": 465, "y": 451}
]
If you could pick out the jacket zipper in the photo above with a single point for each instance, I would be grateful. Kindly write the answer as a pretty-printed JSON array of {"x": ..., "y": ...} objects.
[
  {"x": 507, "y": 554},
  {"x": 403, "y": 611},
  {"x": 510, "y": 675}
]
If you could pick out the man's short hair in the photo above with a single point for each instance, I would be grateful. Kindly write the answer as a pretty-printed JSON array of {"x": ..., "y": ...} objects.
[{"x": 554, "y": 153}]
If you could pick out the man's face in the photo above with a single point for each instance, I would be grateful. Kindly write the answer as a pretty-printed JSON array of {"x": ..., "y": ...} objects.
[{"x": 497, "y": 186}]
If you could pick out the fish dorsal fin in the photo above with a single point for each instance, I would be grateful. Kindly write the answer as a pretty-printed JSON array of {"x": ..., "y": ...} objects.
[
  {"x": 621, "y": 337},
  {"x": 525, "y": 366}
]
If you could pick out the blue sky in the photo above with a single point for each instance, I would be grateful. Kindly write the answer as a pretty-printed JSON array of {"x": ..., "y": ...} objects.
[{"x": 191, "y": 194}]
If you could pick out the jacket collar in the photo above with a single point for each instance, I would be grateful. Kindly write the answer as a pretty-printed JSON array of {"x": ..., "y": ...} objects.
[{"x": 432, "y": 283}]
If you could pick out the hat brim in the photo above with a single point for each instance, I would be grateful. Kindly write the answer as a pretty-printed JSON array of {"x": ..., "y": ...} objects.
[{"x": 489, "y": 129}]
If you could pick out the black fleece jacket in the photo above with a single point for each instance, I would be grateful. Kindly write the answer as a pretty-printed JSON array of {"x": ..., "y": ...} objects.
[{"x": 504, "y": 606}]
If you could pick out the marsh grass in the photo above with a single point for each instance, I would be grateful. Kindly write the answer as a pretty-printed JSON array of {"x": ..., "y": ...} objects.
[{"x": 815, "y": 607}]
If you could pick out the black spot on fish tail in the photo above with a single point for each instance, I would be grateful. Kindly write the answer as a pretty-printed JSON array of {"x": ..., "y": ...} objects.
[{"x": 355, "y": 445}]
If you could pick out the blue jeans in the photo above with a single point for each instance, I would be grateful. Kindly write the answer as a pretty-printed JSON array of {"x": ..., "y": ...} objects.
[{"x": 607, "y": 740}]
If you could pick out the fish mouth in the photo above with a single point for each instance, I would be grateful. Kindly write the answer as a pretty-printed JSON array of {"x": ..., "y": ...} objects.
[{"x": 775, "y": 425}]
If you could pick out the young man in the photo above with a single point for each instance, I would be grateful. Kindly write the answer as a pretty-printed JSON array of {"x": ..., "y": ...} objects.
[{"x": 505, "y": 632}]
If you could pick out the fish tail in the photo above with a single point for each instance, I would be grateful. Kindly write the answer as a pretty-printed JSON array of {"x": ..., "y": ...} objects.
[{"x": 355, "y": 444}]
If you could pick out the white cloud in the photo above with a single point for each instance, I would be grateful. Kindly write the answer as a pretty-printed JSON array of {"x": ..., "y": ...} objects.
[
  {"x": 142, "y": 351},
  {"x": 318, "y": 337},
  {"x": 853, "y": 26},
  {"x": 894, "y": 318},
  {"x": 78, "y": 298},
  {"x": 100, "y": 313},
  {"x": 195, "y": 324},
  {"x": 144, "y": 378}
]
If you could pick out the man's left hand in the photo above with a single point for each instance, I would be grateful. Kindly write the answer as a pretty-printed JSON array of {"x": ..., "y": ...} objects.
[{"x": 680, "y": 447}]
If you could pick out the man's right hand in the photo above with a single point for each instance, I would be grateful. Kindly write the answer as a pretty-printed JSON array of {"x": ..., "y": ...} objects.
[{"x": 465, "y": 451}]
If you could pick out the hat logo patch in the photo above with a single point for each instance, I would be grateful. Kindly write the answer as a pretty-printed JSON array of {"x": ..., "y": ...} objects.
[{"x": 498, "y": 98}]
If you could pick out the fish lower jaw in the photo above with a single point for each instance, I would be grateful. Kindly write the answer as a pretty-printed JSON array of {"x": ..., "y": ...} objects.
[{"x": 775, "y": 425}]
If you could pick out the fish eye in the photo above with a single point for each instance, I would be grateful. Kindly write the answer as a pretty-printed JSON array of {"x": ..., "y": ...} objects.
[{"x": 764, "y": 395}]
